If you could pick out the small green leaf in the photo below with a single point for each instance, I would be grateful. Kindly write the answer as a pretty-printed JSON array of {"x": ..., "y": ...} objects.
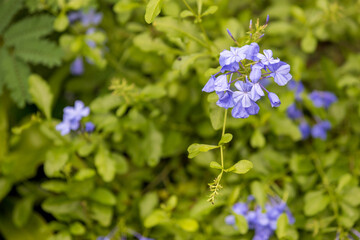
[
  {"x": 215, "y": 165},
  {"x": 216, "y": 116},
  {"x": 186, "y": 13},
  {"x": 41, "y": 94},
  {"x": 196, "y": 148},
  {"x": 241, "y": 167},
  {"x": 281, "y": 226},
  {"x": 55, "y": 186},
  {"x": 257, "y": 139},
  {"x": 105, "y": 165},
  {"x": 315, "y": 202},
  {"x": 101, "y": 213},
  {"x": 309, "y": 43},
  {"x": 61, "y": 22},
  {"x": 241, "y": 223},
  {"x": 84, "y": 173},
  {"x": 210, "y": 10},
  {"x": 55, "y": 161},
  {"x": 148, "y": 203},
  {"x": 77, "y": 228},
  {"x": 188, "y": 224},
  {"x": 22, "y": 211},
  {"x": 5, "y": 187},
  {"x": 257, "y": 190},
  {"x": 155, "y": 218},
  {"x": 153, "y": 9},
  {"x": 226, "y": 138},
  {"x": 104, "y": 196}
]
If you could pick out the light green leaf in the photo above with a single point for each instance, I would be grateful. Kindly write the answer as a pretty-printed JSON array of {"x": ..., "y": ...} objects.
[
  {"x": 101, "y": 213},
  {"x": 257, "y": 139},
  {"x": 55, "y": 186},
  {"x": 257, "y": 190},
  {"x": 188, "y": 224},
  {"x": 41, "y": 94},
  {"x": 84, "y": 173},
  {"x": 155, "y": 218},
  {"x": 105, "y": 103},
  {"x": 186, "y": 13},
  {"x": 241, "y": 167},
  {"x": 153, "y": 145},
  {"x": 226, "y": 138},
  {"x": 153, "y": 9},
  {"x": 22, "y": 211},
  {"x": 104, "y": 196},
  {"x": 105, "y": 165},
  {"x": 55, "y": 161},
  {"x": 281, "y": 226},
  {"x": 148, "y": 203},
  {"x": 352, "y": 196},
  {"x": 211, "y": 10},
  {"x": 121, "y": 164},
  {"x": 315, "y": 202},
  {"x": 215, "y": 165},
  {"x": 241, "y": 223},
  {"x": 196, "y": 148},
  {"x": 61, "y": 22},
  {"x": 309, "y": 43},
  {"x": 123, "y": 7},
  {"x": 216, "y": 116},
  {"x": 77, "y": 228}
]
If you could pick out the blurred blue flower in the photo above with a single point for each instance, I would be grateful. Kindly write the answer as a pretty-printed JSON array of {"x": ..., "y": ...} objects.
[
  {"x": 305, "y": 130},
  {"x": 89, "y": 127},
  {"x": 240, "y": 208},
  {"x": 63, "y": 128},
  {"x": 77, "y": 66},
  {"x": 293, "y": 112},
  {"x": 322, "y": 98},
  {"x": 230, "y": 220},
  {"x": 297, "y": 87},
  {"x": 72, "y": 117},
  {"x": 320, "y": 129},
  {"x": 91, "y": 17}
]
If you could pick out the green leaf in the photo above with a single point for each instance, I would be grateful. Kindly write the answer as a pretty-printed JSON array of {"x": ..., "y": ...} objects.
[
  {"x": 55, "y": 186},
  {"x": 103, "y": 196},
  {"x": 122, "y": 7},
  {"x": 309, "y": 43},
  {"x": 105, "y": 103},
  {"x": 241, "y": 223},
  {"x": 40, "y": 52},
  {"x": 84, "y": 173},
  {"x": 147, "y": 204},
  {"x": 152, "y": 92},
  {"x": 155, "y": 218},
  {"x": 22, "y": 211},
  {"x": 8, "y": 8},
  {"x": 62, "y": 206},
  {"x": 153, "y": 145},
  {"x": 281, "y": 226},
  {"x": 188, "y": 224},
  {"x": 61, "y": 22},
  {"x": 153, "y": 9},
  {"x": 55, "y": 161},
  {"x": 101, "y": 213},
  {"x": 284, "y": 126},
  {"x": 352, "y": 196},
  {"x": 257, "y": 139},
  {"x": 226, "y": 138},
  {"x": 77, "y": 228},
  {"x": 105, "y": 165},
  {"x": 216, "y": 116},
  {"x": 211, "y": 10},
  {"x": 5, "y": 187},
  {"x": 41, "y": 94},
  {"x": 241, "y": 167},
  {"x": 196, "y": 148},
  {"x": 28, "y": 28},
  {"x": 186, "y": 13},
  {"x": 121, "y": 164},
  {"x": 315, "y": 202},
  {"x": 16, "y": 77},
  {"x": 257, "y": 190},
  {"x": 215, "y": 165}
]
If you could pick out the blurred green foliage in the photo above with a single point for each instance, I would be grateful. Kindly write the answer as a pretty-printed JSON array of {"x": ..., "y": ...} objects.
[{"x": 133, "y": 172}]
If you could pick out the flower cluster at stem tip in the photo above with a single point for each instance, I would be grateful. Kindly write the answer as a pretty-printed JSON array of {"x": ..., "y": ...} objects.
[
  {"x": 263, "y": 222},
  {"x": 72, "y": 117},
  {"x": 241, "y": 81},
  {"x": 320, "y": 99},
  {"x": 88, "y": 20}
]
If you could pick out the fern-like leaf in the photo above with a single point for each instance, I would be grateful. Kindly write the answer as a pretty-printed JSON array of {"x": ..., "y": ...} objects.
[
  {"x": 16, "y": 75},
  {"x": 8, "y": 8},
  {"x": 40, "y": 51},
  {"x": 28, "y": 28}
]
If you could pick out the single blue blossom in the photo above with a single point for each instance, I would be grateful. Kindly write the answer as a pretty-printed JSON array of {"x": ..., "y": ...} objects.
[
  {"x": 230, "y": 220},
  {"x": 89, "y": 127},
  {"x": 243, "y": 95},
  {"x": 77, "y": 67},
  {"x": 293, "y": 112},
  {"x": 234, "y": 55},
  {"x": 221, "y": 83},
  {"x": 256, "y": 92},
  {"x": 274, "y": 99},
  {"x": 251, "y": 52},
  {"x": 255, "y": 73},
  {"x": 305, "y": 130},
  {"x": 77, "y": 112},
  {"x": 320, "y": 129},
  {"x": 210, "y": 85},
  {"x": 91, "y": 18},
  {"x": 322, "y": 98},
  {"x": 63, "y": 128},
  {"x": 226, "y": 99},
  {"x": 280, "y": 73},
  {"x": 267, "y": 57}
]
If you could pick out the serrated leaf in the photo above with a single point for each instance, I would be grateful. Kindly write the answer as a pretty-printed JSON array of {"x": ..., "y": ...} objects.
[
  {"x": 215, "y": 165},
  {"x": 41, "y": 94},
  {"x": 241, "y": 167},
  {"x": 195, "y": 148},
  {"x": 226, "y": 138},
  {"x": 16, "y": 77},
  {"x": 241, "y": 223},
  {"x": 40, "y": 51},
  {"x": 8, "y": 9},
  {"x": 153, "y": 9},
  {"x": 210, "y": 10},
  {"x": 28, "y": 28}
]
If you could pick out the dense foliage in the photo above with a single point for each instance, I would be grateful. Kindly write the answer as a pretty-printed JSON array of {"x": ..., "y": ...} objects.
[{"x": 100, "y": 101}]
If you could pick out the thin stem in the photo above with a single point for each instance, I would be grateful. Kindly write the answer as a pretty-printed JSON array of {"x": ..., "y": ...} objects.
[
  {"x": 188, "y": 6},
  {"x": 224, "y": 125}
]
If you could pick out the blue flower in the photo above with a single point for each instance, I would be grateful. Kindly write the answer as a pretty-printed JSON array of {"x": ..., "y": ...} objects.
[
  {"x": 320, "y": 129},
  {"x": 89, "y": 127},
  {"x": 63, "y": 128},
  {"x": 274, "y": 99},
  {"x": 90, "y": 17},
  {"x": 230, "y": 220},
  {"x": 74, "y": 16},
  {"x": 251, "y": 52},
  {"x": 305, "y": 130},
  {"x": 280, "y": 73},
  {"x": 322, "y": 98},
  {"x": 210, "y": 85},
  {"x": 267, "y": 57},
  {"x": 77, "y": 112},
  {"x": 293, "y": 112},
  {"x": 225, "y": 99},
  {"x": 77, "y": 67},
  {"x": 243, "y": 95},
  {"x": 255, "y": 73},
  {"x": 240, "y": 208},
  {"x": 102, "y": 238},
  {"x": 234, "y": 55},
  {"x": 297, "y": 87},
  {"x": 221, "y": 83},
  {"x": 256, "y": 92}
]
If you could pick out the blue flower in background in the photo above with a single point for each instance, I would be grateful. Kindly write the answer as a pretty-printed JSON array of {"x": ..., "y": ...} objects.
[
  {"x": 77, "y": 66},
  {"x": 91, "y": 17},
  {"x": 264, "y": 223},
  {"x": 322, "y": 98},
  {"x": 320, "y": 129},
  {"x": 63, "y": 128},
  {"x": 89, "y": 127},
  {"x": 297, "y": 87},
  {"x": 293, "y": 112},
  {"x": 305, "y": 130}
]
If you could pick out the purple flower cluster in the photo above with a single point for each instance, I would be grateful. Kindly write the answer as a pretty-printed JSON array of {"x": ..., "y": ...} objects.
[
  {"x": 240, "y": 82},
  {"x": 319, "y": 99},
  {"x": 88, "y": 20},
  {"x": 72, "y": 117},
  {"x": 263, "y": 222}
]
